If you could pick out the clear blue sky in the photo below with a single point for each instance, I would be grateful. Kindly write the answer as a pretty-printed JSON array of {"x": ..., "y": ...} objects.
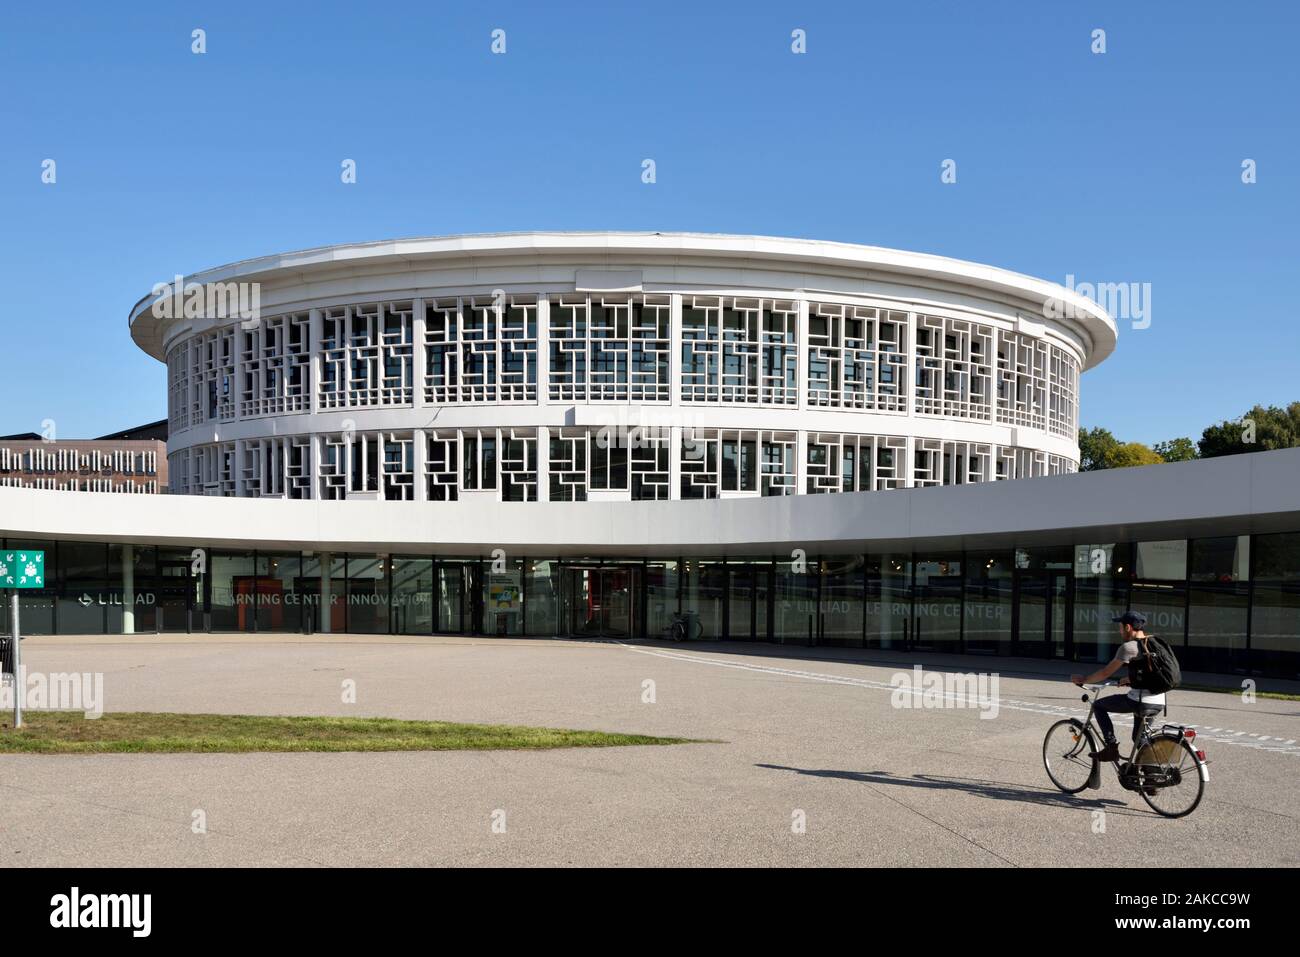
[{"x": 1121, "y": 167}]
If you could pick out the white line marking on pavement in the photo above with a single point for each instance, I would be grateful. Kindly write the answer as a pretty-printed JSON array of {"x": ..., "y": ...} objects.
[{"x": 1056, "y": 710}]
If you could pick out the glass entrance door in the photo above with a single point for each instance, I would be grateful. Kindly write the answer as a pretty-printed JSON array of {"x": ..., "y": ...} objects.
[
  {"x": 1045, "y": 614},
  {"x": 601, "y": 602},
  {"x": 177, "y": 597}
]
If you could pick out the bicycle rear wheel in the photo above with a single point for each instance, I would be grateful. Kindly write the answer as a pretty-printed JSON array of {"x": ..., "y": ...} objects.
[
  {"x": 1176, "y": 784},
  {"x": 1067, "y": 755}
]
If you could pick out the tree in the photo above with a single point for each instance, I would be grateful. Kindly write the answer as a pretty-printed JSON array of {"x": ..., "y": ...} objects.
[
  {"x": 1259, "y": 430},
  {"x": 1176, "y": 450},
  {"x": 1096, "y": 449},
  {"x": 1099, "y": 449},
  {"x": 1130, "y": 454}
]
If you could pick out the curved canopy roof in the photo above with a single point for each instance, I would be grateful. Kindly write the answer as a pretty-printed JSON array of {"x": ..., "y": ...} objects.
[{"x": 1090, "y": 321}]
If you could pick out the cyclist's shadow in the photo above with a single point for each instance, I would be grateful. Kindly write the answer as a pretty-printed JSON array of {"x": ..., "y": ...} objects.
[{"x": 996, "y": 790}]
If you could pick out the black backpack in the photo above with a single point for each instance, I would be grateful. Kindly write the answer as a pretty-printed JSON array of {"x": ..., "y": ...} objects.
[{"x": 1155, "y": 669}]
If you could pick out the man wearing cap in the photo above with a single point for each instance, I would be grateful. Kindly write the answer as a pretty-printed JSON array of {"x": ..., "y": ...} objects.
[{"x": 1131, "y": 625}]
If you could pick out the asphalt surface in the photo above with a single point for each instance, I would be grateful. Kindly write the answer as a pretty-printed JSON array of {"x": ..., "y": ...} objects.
[{"x": 802, "y": 734}]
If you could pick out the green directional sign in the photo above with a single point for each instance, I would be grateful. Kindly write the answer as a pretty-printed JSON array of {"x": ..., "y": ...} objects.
[{"x": 21, "y": 568}]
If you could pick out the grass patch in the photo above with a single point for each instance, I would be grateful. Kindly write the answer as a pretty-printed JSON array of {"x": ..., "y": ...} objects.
[{"x": 63, "y": 732}]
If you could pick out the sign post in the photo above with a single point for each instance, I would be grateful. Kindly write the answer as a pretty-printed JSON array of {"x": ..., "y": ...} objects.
[{"x": 19, "y": 569}]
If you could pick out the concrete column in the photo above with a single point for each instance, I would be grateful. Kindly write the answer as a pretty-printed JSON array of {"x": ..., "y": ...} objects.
[
  {"x": 326, "y": 584},
  {"x": 315, "y": 333},
  {"x": 543, "y": 356},
  {"x": 675, "y": 459},
  {"x": 418, "y": 366},
  {"x": 801, "y": 360},
  {"x": 801, "y": 462},
  {"x": 675, "y": 353},
  {"x": 543, "y": 464},
  {"x": 128, "y": 589},
  {"x": 419, "y": 452}
]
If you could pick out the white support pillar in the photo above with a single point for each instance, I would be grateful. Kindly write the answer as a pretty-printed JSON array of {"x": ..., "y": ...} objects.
[
  {"x": 675, "y": 461},
  {"x": 675, "y": 359},
  {"x": 801, "y": 462},
  {"x": 418, "y": 358},
  {"x": 544, "y": 463},
  {"x": 315, "y": 333},
  {"x": 543, "y": 370},
  {"x": 128, "y": 589},
  {"x": 419, "y": 452},
  {"x": 801, "y": 357}
]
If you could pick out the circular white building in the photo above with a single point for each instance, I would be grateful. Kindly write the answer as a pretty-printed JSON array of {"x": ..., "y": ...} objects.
[{"x": 574, "y": 366}]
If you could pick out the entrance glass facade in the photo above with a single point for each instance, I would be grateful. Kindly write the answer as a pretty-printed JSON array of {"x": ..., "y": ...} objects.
[{"x": 1227, "y": 604}]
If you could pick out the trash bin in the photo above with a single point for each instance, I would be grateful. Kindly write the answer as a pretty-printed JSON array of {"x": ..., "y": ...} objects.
[{"x": 503, "y": 623}]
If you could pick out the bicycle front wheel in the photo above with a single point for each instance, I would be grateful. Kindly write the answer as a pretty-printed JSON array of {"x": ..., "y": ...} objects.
[
  {"x": 1172, "y": 785},
  {"x": 1067, "y": 755}
]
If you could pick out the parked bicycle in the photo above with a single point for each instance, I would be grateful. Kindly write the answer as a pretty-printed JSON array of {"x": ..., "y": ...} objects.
[
  {"x": 1164, "y": 766},
  {"x": 684, "y": 626}
]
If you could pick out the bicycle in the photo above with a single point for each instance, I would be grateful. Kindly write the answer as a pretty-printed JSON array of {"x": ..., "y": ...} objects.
[
  {"x": 1164, "y": 765},
  {"x": 684, "y": 626}
]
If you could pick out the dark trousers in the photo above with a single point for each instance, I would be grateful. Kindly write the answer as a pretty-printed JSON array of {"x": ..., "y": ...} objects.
[{"x": 1115, "y": 704}]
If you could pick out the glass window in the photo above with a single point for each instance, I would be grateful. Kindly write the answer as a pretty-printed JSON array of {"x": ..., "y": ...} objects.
[
  {"x": 233, "y": 577},
  {"x": 1275, "y": 607},
  {"x": 504, "y": 600},
  {"x": 989, "y": 577},
  {"x": 1101, "y": 577},
  {"x": 842, "y": 601},
  {"x": 937, "y": 603},
  {"x": 412, "y": 597},
  {"x": 794, "y": 605},
  {"x": 368, "y": 594},
  {"x": 747, "y": 600},
  {"x": 888, "y": 600},
  {"x": 279, "y": 592},
  {"x": 1221, "y": 559},
  {"x": 660, "y": 596},
  {"x": 80, "y": 575},
  {"x": 541, "y": 596},
  {"x": 704, "y": 588},
  {"x": 1159, "y": 588}
]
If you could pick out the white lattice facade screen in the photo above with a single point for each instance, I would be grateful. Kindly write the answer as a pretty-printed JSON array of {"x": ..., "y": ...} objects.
[
  {"x": 954, "y": 371},
  {"x": 366, "y": 356},
  {"x": 816, "y": 396},
  {"x": 486, "y": 350},
  {"x": 507, "y": 464},
  {"x": 854, "y": 463},
  {"x": 481, "y": 350},
  {"x": 857, "y": 358},
  {"x": 739, "y": 351},
  {"x": 609, "y": 348},
  {"x": 939, "y": 462},
  {"x": 274, "y": 366}
]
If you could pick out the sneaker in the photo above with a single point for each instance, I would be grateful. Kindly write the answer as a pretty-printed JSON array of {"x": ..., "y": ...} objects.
[{"x": 1109, "y": 753}]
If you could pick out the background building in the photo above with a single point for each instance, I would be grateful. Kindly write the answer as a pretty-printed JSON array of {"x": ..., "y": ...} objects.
[{"x": 134, "y": 460}]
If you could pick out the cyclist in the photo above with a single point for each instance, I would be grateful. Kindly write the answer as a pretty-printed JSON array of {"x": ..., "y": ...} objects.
[{"x": 1131, "y": 627}]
